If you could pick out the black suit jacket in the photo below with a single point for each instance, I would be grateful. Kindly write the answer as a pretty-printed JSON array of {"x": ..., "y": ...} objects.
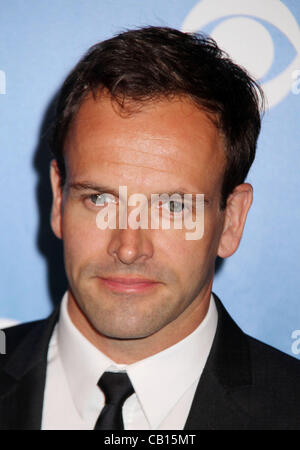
[{"x": 245, "y": 383}]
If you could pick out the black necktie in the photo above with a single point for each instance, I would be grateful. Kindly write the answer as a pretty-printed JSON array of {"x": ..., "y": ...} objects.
[{"x": 116, "y": 388}]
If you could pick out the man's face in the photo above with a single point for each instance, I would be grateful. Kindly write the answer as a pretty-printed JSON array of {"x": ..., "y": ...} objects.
[{"x": 165, "y": 147}]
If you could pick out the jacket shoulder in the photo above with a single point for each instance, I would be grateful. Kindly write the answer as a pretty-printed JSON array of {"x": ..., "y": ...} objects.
[
  {"x": 270, "y": 363},
  {"x": 15, "y": 334},
  {"x": 28, "y": 341},
  {"x": 273, "y": 400},
  {"x": 261, "y": 383}
]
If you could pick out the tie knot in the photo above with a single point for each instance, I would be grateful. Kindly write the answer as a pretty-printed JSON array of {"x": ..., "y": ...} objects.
[{"x": 116, "y": 387}]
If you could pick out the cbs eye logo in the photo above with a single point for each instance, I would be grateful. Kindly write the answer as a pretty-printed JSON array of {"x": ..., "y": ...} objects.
[{"x": 257, "y": 35}]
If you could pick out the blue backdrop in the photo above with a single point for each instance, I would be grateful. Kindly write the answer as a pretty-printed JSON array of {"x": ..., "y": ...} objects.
[{"x": 41, "y": 40}]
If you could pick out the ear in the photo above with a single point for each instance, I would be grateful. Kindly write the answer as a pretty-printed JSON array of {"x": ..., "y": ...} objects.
[
  {"x": 55, "y": 178},
  {"x": 237, "y": 207}
]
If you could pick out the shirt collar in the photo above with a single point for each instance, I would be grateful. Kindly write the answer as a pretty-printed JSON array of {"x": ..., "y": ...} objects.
[{"x": 177, "y": 367}]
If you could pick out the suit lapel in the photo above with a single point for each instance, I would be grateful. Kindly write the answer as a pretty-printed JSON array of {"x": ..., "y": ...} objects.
[
  {"x": 23, "y": 375},
  {"x": 227, "y": 372}
]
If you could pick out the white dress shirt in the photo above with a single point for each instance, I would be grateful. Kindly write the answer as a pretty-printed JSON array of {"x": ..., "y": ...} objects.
[{"x": 164, "y": 383}]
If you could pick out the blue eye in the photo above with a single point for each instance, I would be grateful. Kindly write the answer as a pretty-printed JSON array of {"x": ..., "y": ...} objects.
[
  {"x": 174, "y": 206},
  {"x": 263, "y": 37},
  {"x": 102, "y": 199}
]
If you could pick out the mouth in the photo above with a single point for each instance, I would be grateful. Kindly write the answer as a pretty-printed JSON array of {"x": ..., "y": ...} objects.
[{"x": 128, "y": 284}]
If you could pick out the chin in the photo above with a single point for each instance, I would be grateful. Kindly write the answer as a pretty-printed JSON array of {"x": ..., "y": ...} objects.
[{"x": 126, "y": 328}]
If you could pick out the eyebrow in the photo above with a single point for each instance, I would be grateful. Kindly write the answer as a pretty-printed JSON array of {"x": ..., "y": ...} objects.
[
  {"x": 86, "y": 186},
  {"x": 93, "y": 187}
]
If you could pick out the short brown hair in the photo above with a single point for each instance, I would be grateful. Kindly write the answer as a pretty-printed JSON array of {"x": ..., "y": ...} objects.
[{"x": 154, "y": 62}]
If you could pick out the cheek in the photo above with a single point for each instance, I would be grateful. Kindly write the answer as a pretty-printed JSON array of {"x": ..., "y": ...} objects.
[
  {"x": 192, "y": 259},
  {"x": 83, "y": 241},
  {"x": 184, "y": 257}
]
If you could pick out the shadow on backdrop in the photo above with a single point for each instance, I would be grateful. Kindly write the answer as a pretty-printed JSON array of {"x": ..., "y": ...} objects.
[
  {"x": 219, "y": 264},
  {"x": 48, "y": 244}
]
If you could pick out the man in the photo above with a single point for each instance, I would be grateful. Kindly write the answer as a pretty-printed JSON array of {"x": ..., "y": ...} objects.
[{"x": 140, "y": 341}]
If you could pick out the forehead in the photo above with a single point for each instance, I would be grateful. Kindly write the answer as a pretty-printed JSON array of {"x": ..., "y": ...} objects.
[{"x": 164, "y": 141}]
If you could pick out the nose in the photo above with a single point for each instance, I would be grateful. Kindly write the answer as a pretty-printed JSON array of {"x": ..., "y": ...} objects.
[{"x": 130, "y": 246}]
